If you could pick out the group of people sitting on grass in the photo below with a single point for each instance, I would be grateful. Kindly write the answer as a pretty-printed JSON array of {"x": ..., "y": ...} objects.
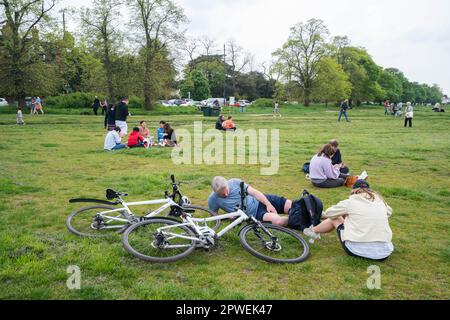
[
  {"x": 225, "y": 125},
  {"x": 361, "y": 220},
  {"x": 140, "y": 137}
]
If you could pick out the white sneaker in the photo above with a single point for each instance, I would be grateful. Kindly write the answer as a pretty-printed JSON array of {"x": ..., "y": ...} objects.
[{"x": 311, "y": 234}]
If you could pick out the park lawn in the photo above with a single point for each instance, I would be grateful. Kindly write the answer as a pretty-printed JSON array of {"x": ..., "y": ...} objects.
[{"x": 57, "y": 157}]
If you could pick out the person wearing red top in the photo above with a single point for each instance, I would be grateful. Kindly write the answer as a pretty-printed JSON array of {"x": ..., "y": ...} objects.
[{"x": 136, "y": 140}]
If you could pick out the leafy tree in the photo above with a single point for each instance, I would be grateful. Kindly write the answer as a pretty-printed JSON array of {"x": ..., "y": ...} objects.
[
  {"x": 392, "y": 85},
  {"x": 19, "y": 47},
  {"x": 196, "y": 84},
  {"x": 300, "y": 56},
  {"x": 159, "y": 22},
  {"x": 99, "y": 24},
  {"x": 332, "y": 82}
]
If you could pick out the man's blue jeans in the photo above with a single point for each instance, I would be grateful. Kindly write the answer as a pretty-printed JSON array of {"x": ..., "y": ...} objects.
[
  {"x": 345, "y": 114},
  {"x": 119, "y": 146}
]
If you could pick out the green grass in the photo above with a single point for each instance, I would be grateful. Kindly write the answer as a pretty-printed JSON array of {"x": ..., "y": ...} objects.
[{"x": 59, "y": 156}]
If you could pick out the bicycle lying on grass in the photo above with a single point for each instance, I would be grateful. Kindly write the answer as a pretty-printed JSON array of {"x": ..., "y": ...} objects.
[
  {"x": 104, "y": 219},
  {"x": 162, "y": 240}
]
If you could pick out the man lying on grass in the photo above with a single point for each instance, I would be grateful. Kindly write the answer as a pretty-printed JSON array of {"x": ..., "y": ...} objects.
[{"x": 226, "y": 196}]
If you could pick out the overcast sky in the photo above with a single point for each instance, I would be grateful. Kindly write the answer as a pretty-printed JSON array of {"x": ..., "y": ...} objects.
[{"x": 413, "y": 36}]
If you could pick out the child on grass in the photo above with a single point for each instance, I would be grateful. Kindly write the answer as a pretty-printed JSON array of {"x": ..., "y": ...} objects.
[{"x": 19, "y": 117}]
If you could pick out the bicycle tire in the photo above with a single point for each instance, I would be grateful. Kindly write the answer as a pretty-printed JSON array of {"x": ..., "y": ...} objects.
[
  {"x": 136, "y": 253},
  {"x": 74, "y": 229},
  {"x": 245, "y": 233}
]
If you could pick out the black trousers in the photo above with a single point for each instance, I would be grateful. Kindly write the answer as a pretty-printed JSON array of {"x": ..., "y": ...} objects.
[{"x": 408, "y": 120}]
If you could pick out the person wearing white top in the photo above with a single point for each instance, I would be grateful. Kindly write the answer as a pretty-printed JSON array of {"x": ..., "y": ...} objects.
[
  {"x": 361, "y": 223},
  {"x": 409, "y": 114},
  {"x": 113, "y": 140}
]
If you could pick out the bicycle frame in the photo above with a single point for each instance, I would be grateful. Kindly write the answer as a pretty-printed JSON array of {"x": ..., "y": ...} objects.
[
  {"x": 194, "y": 224},
  {"x": 166, "y": 204}
]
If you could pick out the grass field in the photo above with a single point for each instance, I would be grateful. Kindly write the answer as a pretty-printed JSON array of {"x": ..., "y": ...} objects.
[{"x": 56, "y": 157}]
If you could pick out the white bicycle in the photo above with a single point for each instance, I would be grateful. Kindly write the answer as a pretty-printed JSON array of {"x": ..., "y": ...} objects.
[
  {"x": 105, "y": 219},
  {"x": 162, "y": 240}
]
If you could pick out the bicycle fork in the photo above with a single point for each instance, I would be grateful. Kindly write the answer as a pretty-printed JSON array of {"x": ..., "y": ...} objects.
[{"x": 273, "y": 245}]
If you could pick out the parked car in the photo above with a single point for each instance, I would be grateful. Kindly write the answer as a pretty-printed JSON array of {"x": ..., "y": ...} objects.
[
  {"x": 3, "y": 102},
  {"x": 189, "y": 103},
  {"x": 211, "y": 101},
  {"x": 243, "y": 103},
  {"x": 166, "y": 103}
]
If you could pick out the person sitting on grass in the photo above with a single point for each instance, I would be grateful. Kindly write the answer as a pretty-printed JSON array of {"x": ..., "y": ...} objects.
[
  {"x": 228, "y": 125},
  {"x": 361, "y": 222},
  {"x": 322, "y": 172},
  {"x": 143, "y": 130},
  {"x": 160, "y": 132},
  {"x": 226, "y": 196},
  {"x": 170, "y": 139},
  {"x": 113, "y": 140},
  {"x": 219, "y": 123},
  {"x": 136, "y": 140},
  {"x": 337, "y": 158}
]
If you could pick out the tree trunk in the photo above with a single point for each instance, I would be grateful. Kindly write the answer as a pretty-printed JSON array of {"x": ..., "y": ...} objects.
[
  {"x": 148, "y": 82},
  {"x": 307, "y": 95},
  {"x": 109, "y": 72}
]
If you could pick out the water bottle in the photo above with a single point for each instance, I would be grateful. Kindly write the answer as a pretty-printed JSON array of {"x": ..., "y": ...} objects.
[{"x": 152, "y": 141}]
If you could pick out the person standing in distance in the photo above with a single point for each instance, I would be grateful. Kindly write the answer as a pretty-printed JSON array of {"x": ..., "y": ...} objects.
[
  {"x": 409, "y": 114},
  {"x": 122, "y": 114}
]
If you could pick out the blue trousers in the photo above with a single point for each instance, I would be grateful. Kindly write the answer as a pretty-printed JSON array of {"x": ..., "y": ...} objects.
[{"x": 345, "y": 115}]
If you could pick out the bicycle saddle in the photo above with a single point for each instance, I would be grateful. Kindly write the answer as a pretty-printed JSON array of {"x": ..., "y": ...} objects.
[{"x": 111, "y": 194}]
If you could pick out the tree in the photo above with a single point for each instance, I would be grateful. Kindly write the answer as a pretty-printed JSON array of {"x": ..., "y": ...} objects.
[
  {"x": 392, "y": 85},
  {"x": 158, "y": 21},
  {"x": 238, "y": 60},
  {"x": 99, "y": 24},
  {"x": 332, "y": 82},
  {"x": 18, "y": 52},
  {"x": 301, "y": 54},
  {"x": 363, "y": 72},
  {"x": 196, "y": 84}
]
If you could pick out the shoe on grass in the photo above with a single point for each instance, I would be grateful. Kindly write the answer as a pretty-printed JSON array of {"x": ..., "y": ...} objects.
[{"x": 311, "y": 234}]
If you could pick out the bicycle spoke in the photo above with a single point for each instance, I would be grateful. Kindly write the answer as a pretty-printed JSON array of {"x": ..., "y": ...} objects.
[
  {"x": 150, "y": 241},
  {"x": 90, "y": 223}
]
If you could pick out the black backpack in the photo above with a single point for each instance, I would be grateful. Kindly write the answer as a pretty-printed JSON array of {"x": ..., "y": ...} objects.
[{"x": 305, "y": 212}]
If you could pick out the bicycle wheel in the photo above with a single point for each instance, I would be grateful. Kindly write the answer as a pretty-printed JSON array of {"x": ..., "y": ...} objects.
[
  {"x": 289, "y": 248},
  {"x": 146, "y": 241},
  {"x": 201, "y": 213},
  {"x": 86, "y": 222}
]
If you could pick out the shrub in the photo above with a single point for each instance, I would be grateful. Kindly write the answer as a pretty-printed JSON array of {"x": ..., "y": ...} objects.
[
  {"x": 263, "y": 103},
  {"x": 82, "y": 100},
  {"x": 77, "y": 100},
  {"x": 135, "y": 103}
]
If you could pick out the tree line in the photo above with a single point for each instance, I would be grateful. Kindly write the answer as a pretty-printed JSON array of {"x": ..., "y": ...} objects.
[{"x": 140, "y": 53}]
